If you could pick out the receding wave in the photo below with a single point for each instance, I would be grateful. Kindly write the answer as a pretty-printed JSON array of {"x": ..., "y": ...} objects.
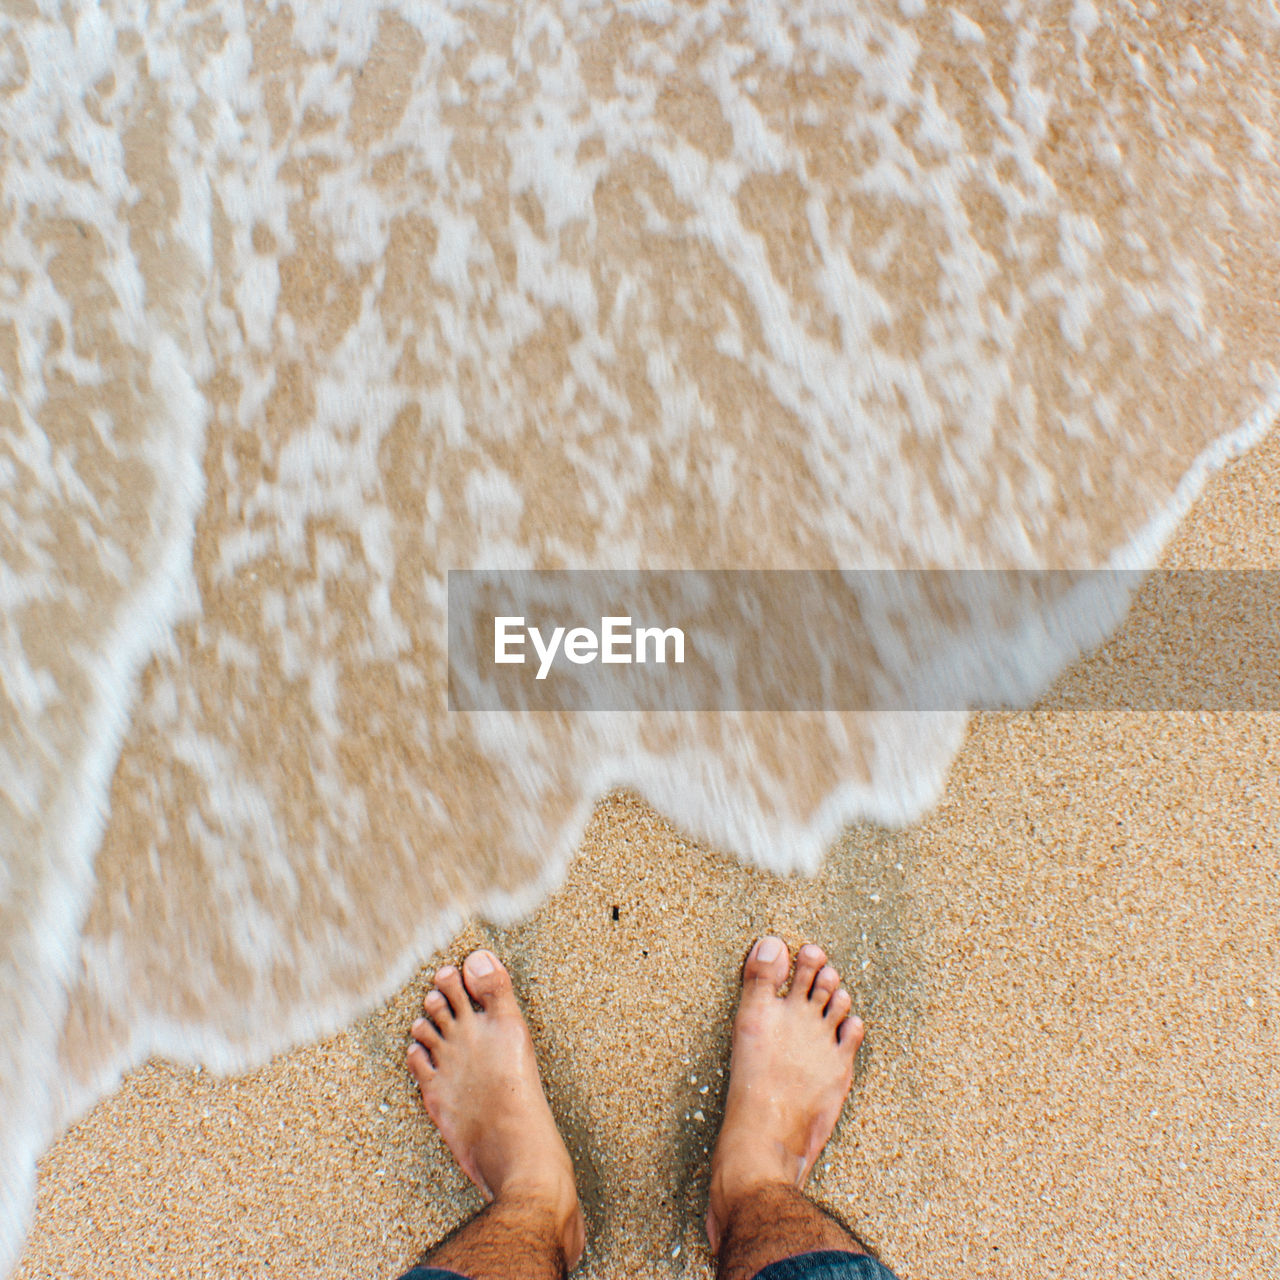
[{"x": 303, "y": 309}]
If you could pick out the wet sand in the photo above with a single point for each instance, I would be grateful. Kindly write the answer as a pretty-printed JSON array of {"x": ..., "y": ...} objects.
[{"x": 1068, "y": 972}]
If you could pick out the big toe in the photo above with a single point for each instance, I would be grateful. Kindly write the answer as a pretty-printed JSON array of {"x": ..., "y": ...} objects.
[
  {"x": 488, "y": 982},
  {"x": 766, "y": 967}
]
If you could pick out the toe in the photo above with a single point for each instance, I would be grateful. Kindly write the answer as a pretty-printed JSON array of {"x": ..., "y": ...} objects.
[
  {"x": 427, "y": 1035},
  {"x": 824, "y": 985},
  {"x": 449, "y": 984},
  {"x": 488, "y": 982},
  {"x": 420, "y": 1064},
  {"x": 766, "y": 967},
  {"x": 437, "y": 1009},
  {"x": 839, "y": 1005},
  {"x": 808, "y": 963},
  {"x": 849, "y": 1035}
]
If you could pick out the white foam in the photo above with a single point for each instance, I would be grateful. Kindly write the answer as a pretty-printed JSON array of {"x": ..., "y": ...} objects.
[{"x": 75, "y": 814}]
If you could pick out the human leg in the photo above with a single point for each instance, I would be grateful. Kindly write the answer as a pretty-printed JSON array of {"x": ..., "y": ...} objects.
[
  {"x": 479, "y": 1083},
  {"x": 790, "y": 1070}
]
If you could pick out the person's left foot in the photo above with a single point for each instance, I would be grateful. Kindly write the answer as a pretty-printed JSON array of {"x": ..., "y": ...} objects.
[
  {"x": 480, "y": 1084},
  {"x": 790, "y": 1069}
]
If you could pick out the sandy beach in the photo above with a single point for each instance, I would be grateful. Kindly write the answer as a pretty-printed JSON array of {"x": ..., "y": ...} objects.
[{"x": 1068, "y": 972}]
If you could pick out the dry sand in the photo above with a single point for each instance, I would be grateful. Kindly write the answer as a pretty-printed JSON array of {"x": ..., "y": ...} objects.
[{"x": 1070, "y": 973}]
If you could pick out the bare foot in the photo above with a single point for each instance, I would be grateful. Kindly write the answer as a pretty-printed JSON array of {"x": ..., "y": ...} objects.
[
  {"x": 480, "y": 1085},
  {"x": 791, "y": 1067}
]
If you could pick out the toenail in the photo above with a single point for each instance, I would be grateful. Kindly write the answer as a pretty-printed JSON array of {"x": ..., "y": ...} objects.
[
  {"x": 481, "y": 964},
  {"x": 768, "y": 949},
  {"x": 419, "y": 1024}
]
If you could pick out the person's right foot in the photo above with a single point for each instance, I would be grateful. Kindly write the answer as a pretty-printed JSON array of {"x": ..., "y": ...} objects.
[
  {"x": 479, "y": 1083},
  {"x": 790, "y": 1069}
]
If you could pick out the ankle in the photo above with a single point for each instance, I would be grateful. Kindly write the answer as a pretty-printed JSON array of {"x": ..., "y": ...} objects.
[
  {"x": 773, "y": 1221},
  {"x": 551, "y": 1195},
  {"x": 745, "y": 1161},
  {"x": 733, "y": 1188}
]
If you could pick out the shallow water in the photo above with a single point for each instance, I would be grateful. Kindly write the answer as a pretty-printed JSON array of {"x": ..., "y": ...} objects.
[{"x": 301, "y": 310}]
